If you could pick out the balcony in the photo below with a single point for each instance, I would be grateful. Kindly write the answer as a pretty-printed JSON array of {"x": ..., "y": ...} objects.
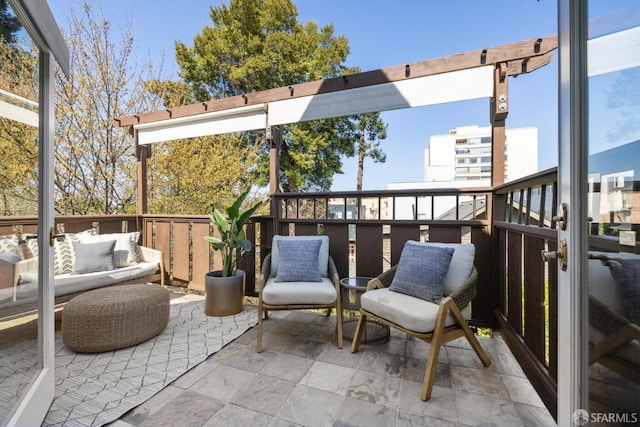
[{"x": 515, "y": 307}]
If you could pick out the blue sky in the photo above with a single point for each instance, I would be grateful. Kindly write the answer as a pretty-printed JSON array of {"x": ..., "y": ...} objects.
[{"x": 383, "y": 34}]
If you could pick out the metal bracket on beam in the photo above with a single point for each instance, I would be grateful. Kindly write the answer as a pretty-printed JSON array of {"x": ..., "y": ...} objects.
[
  {"x": 502, "y": 68},
  {"x": 536, "y": 46},
  {"x": 483, "y": 56}
]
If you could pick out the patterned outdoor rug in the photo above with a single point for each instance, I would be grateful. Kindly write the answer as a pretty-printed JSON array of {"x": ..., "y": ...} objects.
[{"x": 95, "y": 389}]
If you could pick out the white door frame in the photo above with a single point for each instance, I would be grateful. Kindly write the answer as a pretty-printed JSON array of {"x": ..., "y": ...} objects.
[
  {"x": 572, "y": 185},
  {"x": 37, "y": 399},
  {"x": 37, "y": 19}
]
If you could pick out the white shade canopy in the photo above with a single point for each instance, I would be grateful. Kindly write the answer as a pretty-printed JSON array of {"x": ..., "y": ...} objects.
[{"x": 428, "y": 90}]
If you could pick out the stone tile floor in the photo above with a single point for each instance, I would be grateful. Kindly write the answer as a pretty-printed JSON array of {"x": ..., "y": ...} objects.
[{"x": 301, "y": 378}]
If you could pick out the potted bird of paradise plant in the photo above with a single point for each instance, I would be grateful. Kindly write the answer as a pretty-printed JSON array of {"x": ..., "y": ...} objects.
[{"x": 224, "y": 288}]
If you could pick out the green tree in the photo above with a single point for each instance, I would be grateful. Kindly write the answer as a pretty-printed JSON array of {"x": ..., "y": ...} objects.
[
  {"x": 95, "y": 164},
  {"x": 9, "y": 24},
  {"x": 372, "y": 130},
  {"x": 18, "y": 141},
  {"x": 191, "y": 175},
  {"x": 254, "y": 45},
  {"x": 624, "y": 96}
]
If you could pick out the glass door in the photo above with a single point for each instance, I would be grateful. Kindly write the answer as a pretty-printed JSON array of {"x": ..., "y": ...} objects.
[
  {"x": 613, "y": 210},
  {"x": 598, "y": 177},
  {"x": 26, "y": 216}
]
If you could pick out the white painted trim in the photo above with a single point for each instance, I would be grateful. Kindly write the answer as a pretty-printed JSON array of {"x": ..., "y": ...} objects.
[
  {"x": 614, "y": 52},
  {"x": 37, "y": 399},
  {"x": 19, "y": 98},
  {"x": 18, "y": 114},
  {"x": 217, "y": 122},
  {"x": 573, "y": 348}
]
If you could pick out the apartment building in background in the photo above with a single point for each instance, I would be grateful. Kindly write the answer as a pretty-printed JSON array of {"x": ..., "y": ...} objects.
[
  {"x": 462, "y": 158},
  {"x": 464, "y": 154}
]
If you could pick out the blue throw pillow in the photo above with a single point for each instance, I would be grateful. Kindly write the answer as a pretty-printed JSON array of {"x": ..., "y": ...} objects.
[
  {"x": 92, "y": 257},
  {"x": 299, "y": 261},
  {"x": 421, "y": 271},
  {"x": 626, "y": 273}
]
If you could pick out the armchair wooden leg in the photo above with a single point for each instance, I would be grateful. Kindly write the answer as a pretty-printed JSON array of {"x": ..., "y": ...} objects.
[
  {"x": 462, "y": 322},
  {"x": 259, "y": 340},
  {"x": 339, "y": 327},
  {"x": 434, "y": 352},
  {"x": 355, "y": 344},
  {"x": 627, "y": 333}
]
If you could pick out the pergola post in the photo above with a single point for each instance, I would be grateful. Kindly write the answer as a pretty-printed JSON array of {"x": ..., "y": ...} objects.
[
  {"x": 498, "y": 113},
  {"x": 142, "y": 152},
  {"x": 274, "y": 138}
]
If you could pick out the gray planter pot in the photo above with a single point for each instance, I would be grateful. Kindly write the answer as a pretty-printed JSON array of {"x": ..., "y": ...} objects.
[{"x": 224, "y": 296}]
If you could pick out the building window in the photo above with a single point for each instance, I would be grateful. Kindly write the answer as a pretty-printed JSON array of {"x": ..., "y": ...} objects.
[{"x": 485, "y": 139}]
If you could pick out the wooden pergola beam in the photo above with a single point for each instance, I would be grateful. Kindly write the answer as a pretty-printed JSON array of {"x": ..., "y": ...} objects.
[{"x": 523, "y": 56}]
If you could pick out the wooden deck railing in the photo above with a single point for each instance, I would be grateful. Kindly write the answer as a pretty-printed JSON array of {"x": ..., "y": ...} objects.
[
  {"x": 367, "y": 230},
  {"x": 510, "y": 225},
  {"x": 526, "y": 286}
]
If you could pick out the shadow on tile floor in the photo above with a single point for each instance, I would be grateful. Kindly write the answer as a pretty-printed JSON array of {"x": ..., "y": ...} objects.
[{"x": 301, "y": 378}]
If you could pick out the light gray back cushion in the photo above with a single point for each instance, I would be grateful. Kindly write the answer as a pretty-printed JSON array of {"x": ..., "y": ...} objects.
[
  {"x": 92, "y": 257},
  {"x": 626, "y": 273},
  {"x": 461, "y": 264},
  {"x": 323, "y": 255},
  {"x": 11, "y": 258},
  {"x": 602, "y": 285},
  {"x": 125, "y": 252}
]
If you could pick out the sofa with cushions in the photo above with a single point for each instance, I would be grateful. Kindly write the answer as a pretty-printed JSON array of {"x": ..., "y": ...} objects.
[{"x": 82, "y": 261}]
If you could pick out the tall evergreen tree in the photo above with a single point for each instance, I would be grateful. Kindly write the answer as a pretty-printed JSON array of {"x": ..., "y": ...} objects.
[
  {"x": 371, "y": 129},
  {"x": 9, "y": 24},
  {"x": 254, "y": 45}
]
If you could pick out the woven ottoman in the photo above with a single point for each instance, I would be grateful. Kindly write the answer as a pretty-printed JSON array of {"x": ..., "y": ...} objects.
[{"x": 114, "y": 317}]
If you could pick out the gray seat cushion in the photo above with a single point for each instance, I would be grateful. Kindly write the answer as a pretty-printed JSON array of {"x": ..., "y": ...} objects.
[
  {"x": 409, "y": 312},
  {"x": 292, "y": 293}
]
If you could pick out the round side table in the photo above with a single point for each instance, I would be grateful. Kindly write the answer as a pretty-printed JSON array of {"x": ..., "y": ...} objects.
[{"x": 351, "y": 288}]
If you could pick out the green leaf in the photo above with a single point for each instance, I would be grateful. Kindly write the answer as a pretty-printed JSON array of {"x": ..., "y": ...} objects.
[{"x": 220, "y": 221}]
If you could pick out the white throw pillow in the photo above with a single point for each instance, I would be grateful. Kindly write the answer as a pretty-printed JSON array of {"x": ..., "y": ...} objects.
[{"x": 125, "y": 252}]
